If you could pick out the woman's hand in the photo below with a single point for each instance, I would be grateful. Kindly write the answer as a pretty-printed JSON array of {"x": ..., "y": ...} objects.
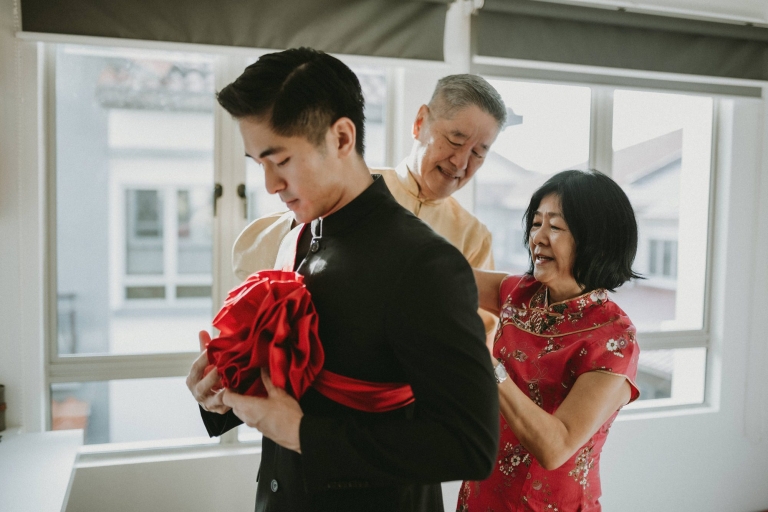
[{"x": 488, "y": 283}]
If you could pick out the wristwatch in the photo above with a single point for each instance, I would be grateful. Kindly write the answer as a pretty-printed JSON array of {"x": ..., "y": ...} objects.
[{"x": 500, "y": 372}]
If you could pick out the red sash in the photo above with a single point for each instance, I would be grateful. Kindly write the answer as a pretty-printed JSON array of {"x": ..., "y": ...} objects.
[
  {"x": 363, "y": 395},
  {"x": 357, "y": 394}
]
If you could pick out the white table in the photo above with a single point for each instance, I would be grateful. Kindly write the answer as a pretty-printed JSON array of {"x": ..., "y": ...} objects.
[{"x": 36, "y": 470}]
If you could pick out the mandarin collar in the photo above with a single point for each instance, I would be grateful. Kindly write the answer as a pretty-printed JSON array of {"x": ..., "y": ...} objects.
[
  {"x": 359, "y": 208},
  {"x": 408, "y": 181},
  {"x": 595, "y": 297}
]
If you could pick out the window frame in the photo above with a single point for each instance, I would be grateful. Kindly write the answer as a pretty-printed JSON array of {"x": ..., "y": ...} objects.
[
  {"x": 229, "y": 169},
  {"x": 601, "y": 157},
  {"x": 70, "y": 368}
]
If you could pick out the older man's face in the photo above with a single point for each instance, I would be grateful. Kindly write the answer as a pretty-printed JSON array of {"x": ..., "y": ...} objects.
[{"x": 450, "y": 151}]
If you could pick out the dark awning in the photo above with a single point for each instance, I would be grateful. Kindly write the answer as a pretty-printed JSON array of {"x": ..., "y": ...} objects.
[
  {"x": 411, "y": 29},
  {"x": 549, "y": 32}
]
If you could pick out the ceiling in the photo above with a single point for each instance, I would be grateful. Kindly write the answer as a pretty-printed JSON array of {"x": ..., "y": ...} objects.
[{"x": 754, "y": 11}]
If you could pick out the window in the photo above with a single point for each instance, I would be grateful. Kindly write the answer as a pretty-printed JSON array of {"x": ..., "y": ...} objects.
[
  {"x": 660, "y": 142},
  {"x": 137, "y": 268},
  {"x": 133, "y": 244},
  {"x": 662, "y": 258},
  {"x": 133, "y": 237},
  {"x": 662, "y": 145},
  {"x": 547, "y": 132}
]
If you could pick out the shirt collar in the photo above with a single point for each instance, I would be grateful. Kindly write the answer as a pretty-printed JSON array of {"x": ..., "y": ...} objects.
[
  {"x": 407, "y": 180},
  {"x": 359, "y": 208}
]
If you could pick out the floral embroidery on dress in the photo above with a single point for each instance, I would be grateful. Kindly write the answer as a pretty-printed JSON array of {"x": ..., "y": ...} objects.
[
  {"x": 551, "y": 347},
  {"x": 543, "y": 320},
  {"x": 512, "y": 457},
  {"x": 583, "y": 464},
  {"x": 535, "y": 393},
  {"x": 464, "y": 493},
  {"x": 616, "y": 346},
  {"x": 519, "y": 356},
  {"x": 540, "y": 318}
]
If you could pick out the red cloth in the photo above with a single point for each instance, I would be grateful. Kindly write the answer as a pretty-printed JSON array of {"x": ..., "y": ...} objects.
[
  {"x": 545, "y": 348},
  {"x": 269, "y": 321},
  {"x": 363, "y": 395}
]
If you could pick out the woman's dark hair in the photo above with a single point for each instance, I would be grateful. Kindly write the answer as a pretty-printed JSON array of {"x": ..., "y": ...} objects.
[
  {"x": 300, "y": 92},
  {"x": 602, "y": 222}
]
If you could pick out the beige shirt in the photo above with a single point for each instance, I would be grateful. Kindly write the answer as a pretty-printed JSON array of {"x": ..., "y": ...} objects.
[
  {"x": 446, "y": 216},
  {"x": 257, "y": 246}
]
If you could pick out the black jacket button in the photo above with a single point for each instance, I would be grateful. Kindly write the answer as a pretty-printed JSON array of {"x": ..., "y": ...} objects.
[{"x": 273, "y": 485}]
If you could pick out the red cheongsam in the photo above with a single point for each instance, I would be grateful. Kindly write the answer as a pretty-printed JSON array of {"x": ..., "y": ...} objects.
[{"x": 545, "y": 348}]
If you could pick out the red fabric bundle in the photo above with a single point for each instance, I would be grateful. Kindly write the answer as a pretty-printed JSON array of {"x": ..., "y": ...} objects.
[{"x": 269, "y": 321}]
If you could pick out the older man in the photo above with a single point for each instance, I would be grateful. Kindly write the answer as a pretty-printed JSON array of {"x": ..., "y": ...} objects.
[{"x": 452, "y": 135}]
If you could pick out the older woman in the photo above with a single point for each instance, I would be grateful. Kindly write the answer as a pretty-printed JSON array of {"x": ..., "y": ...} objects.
[{"x": 565, "y": 354}]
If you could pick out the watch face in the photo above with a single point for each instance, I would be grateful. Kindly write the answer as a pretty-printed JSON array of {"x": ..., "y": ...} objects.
[{"x": 501, "y": 372}]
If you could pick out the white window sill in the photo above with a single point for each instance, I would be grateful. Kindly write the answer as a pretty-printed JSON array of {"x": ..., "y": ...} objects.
[
  {"x": 116, "y": 454},
  {"x": 664, "y": 408}
]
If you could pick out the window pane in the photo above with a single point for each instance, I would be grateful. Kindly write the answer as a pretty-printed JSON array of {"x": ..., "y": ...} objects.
[
  {"x": 195, "y": 224},
  {"x": 549, "y": 132},
  {"x": 121, "y": 411},
  {"x": 660, "y": 142},
  {"x": 671, "y": 377},
  {"x": 374, "y": 84},
  {"x": 134, "y": 180},
  {"x": 373, "y": 81},
  {"x": 144, "y": 240}
]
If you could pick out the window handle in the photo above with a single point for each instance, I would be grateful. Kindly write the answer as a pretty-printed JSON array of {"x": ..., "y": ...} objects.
[
  {"x": 218, "y": 191},
  {"x": 241, "y": 194}
]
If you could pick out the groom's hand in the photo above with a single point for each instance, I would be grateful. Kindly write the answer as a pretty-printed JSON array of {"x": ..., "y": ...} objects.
[
  {"x": 277, "y": 416},
  {"x": 206, "y": 388}
]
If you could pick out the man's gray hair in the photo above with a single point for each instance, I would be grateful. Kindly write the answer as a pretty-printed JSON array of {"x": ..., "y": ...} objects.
[{"x": 456, "y": 92}]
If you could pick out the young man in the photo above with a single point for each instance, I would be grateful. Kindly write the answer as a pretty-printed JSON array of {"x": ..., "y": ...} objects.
[
  {"x": 397, "y": 303},
  {"x": 452, "y": 135}
]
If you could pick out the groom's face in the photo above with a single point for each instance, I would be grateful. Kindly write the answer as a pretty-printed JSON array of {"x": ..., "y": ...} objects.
[{"x": 302, "y": 174}]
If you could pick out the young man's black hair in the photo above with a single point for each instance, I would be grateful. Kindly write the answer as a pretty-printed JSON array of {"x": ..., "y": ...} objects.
[
  {"x": 301, "y": 92},
  {"x": 602, "y": 222}
]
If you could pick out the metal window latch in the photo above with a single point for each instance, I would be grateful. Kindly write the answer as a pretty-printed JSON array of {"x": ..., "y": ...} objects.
[
  {"x": 242, "y": 195},
  {"x": 218, "y": 191}
]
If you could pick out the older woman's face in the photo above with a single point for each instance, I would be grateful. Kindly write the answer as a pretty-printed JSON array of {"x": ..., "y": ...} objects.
[{"x": 553, "y": 249}]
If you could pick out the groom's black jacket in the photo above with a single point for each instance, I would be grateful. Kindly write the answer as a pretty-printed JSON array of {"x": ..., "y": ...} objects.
[{"x": 396, "y": 303}]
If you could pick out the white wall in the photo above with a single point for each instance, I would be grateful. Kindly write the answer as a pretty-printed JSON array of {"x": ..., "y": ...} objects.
[
  {"x": 705, "y": 461},
  {"x": 203, "y": 484},
  {"x": 21, "y": 345}
]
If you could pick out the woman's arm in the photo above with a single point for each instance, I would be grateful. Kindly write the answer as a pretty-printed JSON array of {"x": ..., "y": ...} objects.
[
  {"x": 488, "y": 283},
  {"x": 553, "y": 438}
]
